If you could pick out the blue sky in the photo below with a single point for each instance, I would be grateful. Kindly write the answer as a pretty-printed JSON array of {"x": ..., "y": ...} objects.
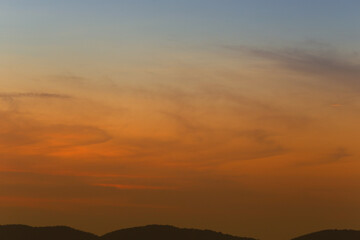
[{"x": 199, "y": 21}]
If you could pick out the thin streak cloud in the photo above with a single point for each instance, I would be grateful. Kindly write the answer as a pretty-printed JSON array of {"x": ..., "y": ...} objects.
[
  {"x": 326, "y": 63},
  {"x": 34, "y": 95},
  {"x": 132, "y": 187}
]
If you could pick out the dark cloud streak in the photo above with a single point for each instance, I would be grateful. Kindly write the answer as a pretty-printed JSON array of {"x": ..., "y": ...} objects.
[
  {"x": 324, "y": 63},
  {"x": 11, "y": 98},
  {"x": 33, "y": 95}
]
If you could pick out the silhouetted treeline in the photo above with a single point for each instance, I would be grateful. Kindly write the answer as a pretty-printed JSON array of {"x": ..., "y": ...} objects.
[
  {"x": 150, "y": 232},
  {"x": 22, "y": 232},
  {"x": 331, "y": 235}
]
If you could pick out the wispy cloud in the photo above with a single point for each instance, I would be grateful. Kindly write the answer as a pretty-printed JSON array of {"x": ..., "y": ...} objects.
[
  {"x": 34, "y": 95},
  {"x": 11, "y": 98},
  {"x": 67, "y": 203},
  {"x": 322, "y": 62},
  {"x": 336, "y": 155},
  {"x": 134, "y": 187},
  {"x": 22, "y": 135}
]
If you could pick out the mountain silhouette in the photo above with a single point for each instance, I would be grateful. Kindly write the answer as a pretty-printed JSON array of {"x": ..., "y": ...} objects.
[
  {"x": 150, "y": 232},
  {"x": 164, "y": 232},
  {"x": 22, "y": 232},
  {"x": 331, "y": 235}
]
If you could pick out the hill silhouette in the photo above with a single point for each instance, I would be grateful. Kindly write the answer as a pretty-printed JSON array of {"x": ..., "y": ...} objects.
[
  {"x": 23, "y": 232},
  {"x": 331, "y": 235},
  {"x": 150, "y": 232},
  {"x": 164, "y": 232}
]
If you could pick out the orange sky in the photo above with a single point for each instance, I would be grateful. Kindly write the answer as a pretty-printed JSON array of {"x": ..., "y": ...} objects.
[
  {"x": 114, "y": 120},
  {"x": 235, "y": 147}
]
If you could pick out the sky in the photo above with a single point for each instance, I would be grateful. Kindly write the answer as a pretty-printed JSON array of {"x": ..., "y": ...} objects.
[{"x": 235, "y": 116}]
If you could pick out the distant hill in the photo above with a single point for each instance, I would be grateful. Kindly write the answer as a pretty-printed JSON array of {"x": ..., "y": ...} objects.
[
  {"x": 151, "y": 232},
  {"x": 22, "y": 232},
  {"x": 161, "y": 232},
  {"x": 331, "y": 235}
]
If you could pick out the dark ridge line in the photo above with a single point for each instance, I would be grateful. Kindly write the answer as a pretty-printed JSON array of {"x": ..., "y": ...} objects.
[{"x": 149, "y": 229}]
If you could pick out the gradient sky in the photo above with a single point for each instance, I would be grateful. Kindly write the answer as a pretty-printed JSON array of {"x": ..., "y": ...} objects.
[{"x": 236, "y": 116}]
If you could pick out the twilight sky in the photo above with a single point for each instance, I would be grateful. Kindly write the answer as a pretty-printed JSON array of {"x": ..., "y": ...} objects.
[{"x": 236, "y": 116}]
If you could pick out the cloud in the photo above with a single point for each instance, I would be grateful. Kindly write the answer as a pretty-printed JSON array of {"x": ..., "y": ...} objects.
[
  {"x": 10, "y": 98},
  {"x": 68, "y": 78},
  {"x": 33, "y": 95},
  {"x": 336, "y": 105},
  {"x": 337, "y": 155},
  {"x": 72, "y": 173},
  {"x": 76, "y": 135},
  {"x": 327, "y": 63},
  {"x": 68, "y": 203},
  {"x": 133, "y": 187},
  {"x": 25, "y": 136}
]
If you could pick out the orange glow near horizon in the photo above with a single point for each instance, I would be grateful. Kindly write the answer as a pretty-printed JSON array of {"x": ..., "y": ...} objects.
[{"x": 247, "y": 139}]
